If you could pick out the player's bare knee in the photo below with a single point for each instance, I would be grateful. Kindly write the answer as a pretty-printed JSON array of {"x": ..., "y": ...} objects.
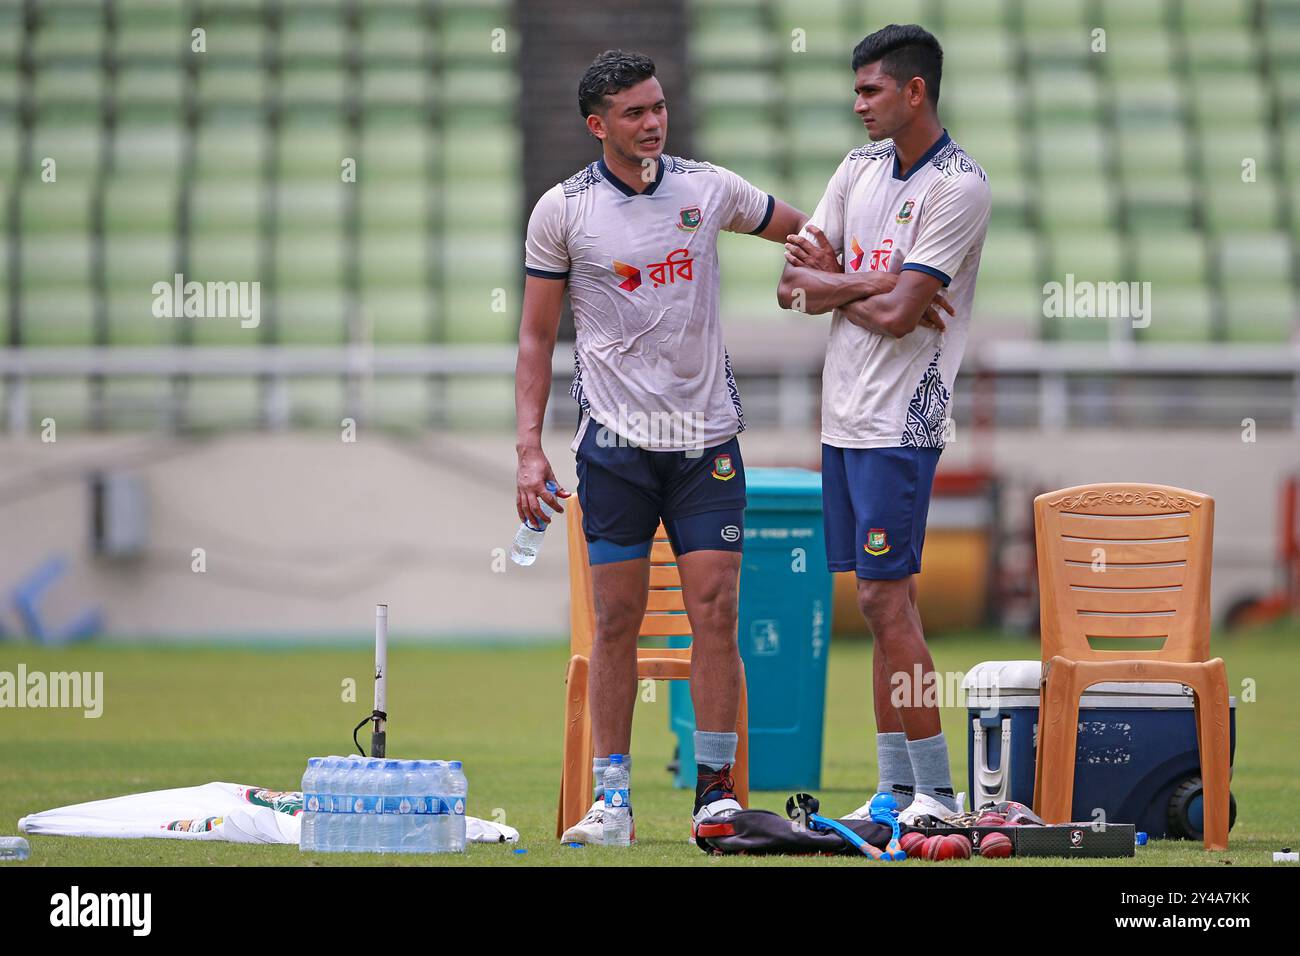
[
  {"x": 618, "y": 620},
  {"x": 715, "y": 612},
  {"x": 881, "y": 602}
]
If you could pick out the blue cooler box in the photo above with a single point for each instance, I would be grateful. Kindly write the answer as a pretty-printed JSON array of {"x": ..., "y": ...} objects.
[
  {"x": 1137, "y": 758},
  {"x": 784, "y": 633}
]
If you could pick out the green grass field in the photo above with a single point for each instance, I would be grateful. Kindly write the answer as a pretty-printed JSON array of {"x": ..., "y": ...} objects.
[{"x": 182, "y": 716}]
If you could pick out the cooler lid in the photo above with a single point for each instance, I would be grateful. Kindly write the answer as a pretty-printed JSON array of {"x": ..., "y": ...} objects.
[{"x": 1020, "y": 679}]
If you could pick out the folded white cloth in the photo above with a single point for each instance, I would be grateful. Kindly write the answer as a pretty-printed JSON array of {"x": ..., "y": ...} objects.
[{"x": 229, "y": 812}]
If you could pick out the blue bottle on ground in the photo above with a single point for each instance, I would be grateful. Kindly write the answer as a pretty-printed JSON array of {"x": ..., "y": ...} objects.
[
  {"x": 458, "y": 793},
  {"x": 311, "y": 804},
  {"x": 391, "y": 821},
  {"x": 409, "y": 806},
  {"x": 14, "y": 849},
  {"x": 438, "y": 800},
  {"x": 617, "y": 815},
  {"x": 369, "y": 790},
  {"x": 333, "y": 829}
]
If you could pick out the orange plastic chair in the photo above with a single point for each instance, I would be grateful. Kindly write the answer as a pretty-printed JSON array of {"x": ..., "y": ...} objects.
[
  {"x": 1127, "y": 561},
  {"x": 664, "y": 617}
]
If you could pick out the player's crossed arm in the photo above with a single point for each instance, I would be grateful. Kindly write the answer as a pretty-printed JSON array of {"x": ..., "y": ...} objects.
[
  {"x": 813, "y": 282},
  {"x": 916, "y": 299}
]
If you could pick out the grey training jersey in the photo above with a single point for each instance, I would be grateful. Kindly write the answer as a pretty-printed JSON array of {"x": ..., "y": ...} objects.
[{"x": 642, "y": 270}]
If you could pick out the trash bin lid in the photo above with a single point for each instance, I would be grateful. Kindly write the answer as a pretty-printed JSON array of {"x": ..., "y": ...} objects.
[{"x": 783, "y": 489}]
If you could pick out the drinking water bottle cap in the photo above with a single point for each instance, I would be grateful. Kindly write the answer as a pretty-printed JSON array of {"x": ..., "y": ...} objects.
[
  {"x": 552, "y": 487},
  {"x": 616, "y": 759},
  {"x": 455, "y": 765}
]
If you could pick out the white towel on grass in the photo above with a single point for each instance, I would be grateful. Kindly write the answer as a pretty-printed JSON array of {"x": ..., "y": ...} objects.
[{"x": 228, "y": 812}]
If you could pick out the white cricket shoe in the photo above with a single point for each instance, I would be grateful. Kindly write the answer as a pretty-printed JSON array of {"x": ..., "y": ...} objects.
[
  {"x": 916, "y": 808},
  {"x": 591, "y": 828},
  {"x": 925, "y": 805}
]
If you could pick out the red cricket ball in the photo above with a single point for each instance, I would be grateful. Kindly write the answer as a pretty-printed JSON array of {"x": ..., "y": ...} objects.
[
  {"x": 911, "y": 843},
  {"x": 995, "y": 846}
]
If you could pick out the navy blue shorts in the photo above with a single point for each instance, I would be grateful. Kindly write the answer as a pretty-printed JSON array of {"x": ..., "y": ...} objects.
[
  {"x": 625, "y": 491},
  {"x": 874, "y": 505}
]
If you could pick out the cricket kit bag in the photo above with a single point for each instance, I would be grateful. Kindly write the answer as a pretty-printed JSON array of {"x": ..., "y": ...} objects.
[{"x": 762, "y": 832}]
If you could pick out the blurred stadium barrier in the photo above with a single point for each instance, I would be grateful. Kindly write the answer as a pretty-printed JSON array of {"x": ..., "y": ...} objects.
[{"x": 1170, "y": 157}]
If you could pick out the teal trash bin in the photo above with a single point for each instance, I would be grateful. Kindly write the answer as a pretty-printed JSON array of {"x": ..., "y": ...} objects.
[{"x": 784, "y": 633}]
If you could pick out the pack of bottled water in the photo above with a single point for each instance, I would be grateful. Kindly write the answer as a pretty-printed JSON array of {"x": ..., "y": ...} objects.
[{"x": 362, "y": 804}]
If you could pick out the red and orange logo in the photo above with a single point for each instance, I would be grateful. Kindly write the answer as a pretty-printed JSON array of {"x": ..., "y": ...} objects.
[
  {"x": 856, "y": 261},
  {"x": 631, "y": 276},
  {"x": 678, "y": 264}
]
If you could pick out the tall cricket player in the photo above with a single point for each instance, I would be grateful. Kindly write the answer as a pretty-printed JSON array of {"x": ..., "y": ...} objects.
[
  {"x": 633, "y": 238},
  {"x": 907, "y": 214}
]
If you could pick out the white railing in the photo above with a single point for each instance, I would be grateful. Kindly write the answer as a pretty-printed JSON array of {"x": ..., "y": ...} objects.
[{"x": 793, "y": 363}]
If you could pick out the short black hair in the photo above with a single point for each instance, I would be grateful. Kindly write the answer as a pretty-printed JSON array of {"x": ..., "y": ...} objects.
[
  {"x": 611, "y": 72},
  {"x": 904, "y": 52}
]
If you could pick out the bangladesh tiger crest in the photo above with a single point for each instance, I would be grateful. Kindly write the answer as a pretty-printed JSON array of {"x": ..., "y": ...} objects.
[
  {"x": 905, "y": 213},
  {"x": 723, "y": 469},
  {"x": 877, "y": 542},
  {"x": 691, "y": 217}
]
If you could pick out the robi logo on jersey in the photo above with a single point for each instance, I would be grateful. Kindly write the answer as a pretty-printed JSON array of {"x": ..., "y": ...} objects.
[{"x": 678, "y": 264}]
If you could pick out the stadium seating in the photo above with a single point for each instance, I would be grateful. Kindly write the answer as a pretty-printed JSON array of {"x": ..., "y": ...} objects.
[
  {"x": 228, "y": 166},
  {"x": 1172, "y": 157},
  {"x": 1123, "y": 165}
]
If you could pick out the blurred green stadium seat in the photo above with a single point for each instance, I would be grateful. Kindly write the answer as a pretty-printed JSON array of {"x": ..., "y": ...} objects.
[
  {"x": 1008, "y": 296},
  {"x": 967, "y": 13},
  {"x": 1209, "y": 15},
  {"x": 1129, "y": 14},
  {"x": 1119, "y": 165}
]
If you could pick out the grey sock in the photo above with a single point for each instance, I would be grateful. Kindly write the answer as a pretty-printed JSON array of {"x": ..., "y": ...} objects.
[
  {"x": 598, "y": 765},
  {"x": 930, "y": 767},
  {"x": 895, "y": 767},
  {"x": 715, "y": 750}
]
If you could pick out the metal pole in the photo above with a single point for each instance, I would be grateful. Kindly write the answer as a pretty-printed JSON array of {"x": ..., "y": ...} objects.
[{"x": 378, "y": 743}]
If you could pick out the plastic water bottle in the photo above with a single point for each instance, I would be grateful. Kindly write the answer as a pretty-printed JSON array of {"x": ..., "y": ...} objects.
[
  {"x": 333, "y": 833},
  {"x": 391, "y": 822},
  {"x": 421, "y": 788},
  {"x": 370, "y": 794},
  {"x": 351, "y": 836},
  {"x": 14, "y": 849},
  {"x": 528, "y": 540},
  {"x": 342, "y": 806},
  {"x": 458, "y": 791},
  {"x": 617, "y": 816},
  {"x": 442, "y": 794},
  {"x": 411, "y": 805},
  {"x": 324, "y": 806},
  {"x": 311, "y": 810}
]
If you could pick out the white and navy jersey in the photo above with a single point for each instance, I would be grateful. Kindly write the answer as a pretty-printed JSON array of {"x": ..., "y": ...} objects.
[
  {"x": 879, "y": 391},
  {"x": 642, "y": 269}
]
